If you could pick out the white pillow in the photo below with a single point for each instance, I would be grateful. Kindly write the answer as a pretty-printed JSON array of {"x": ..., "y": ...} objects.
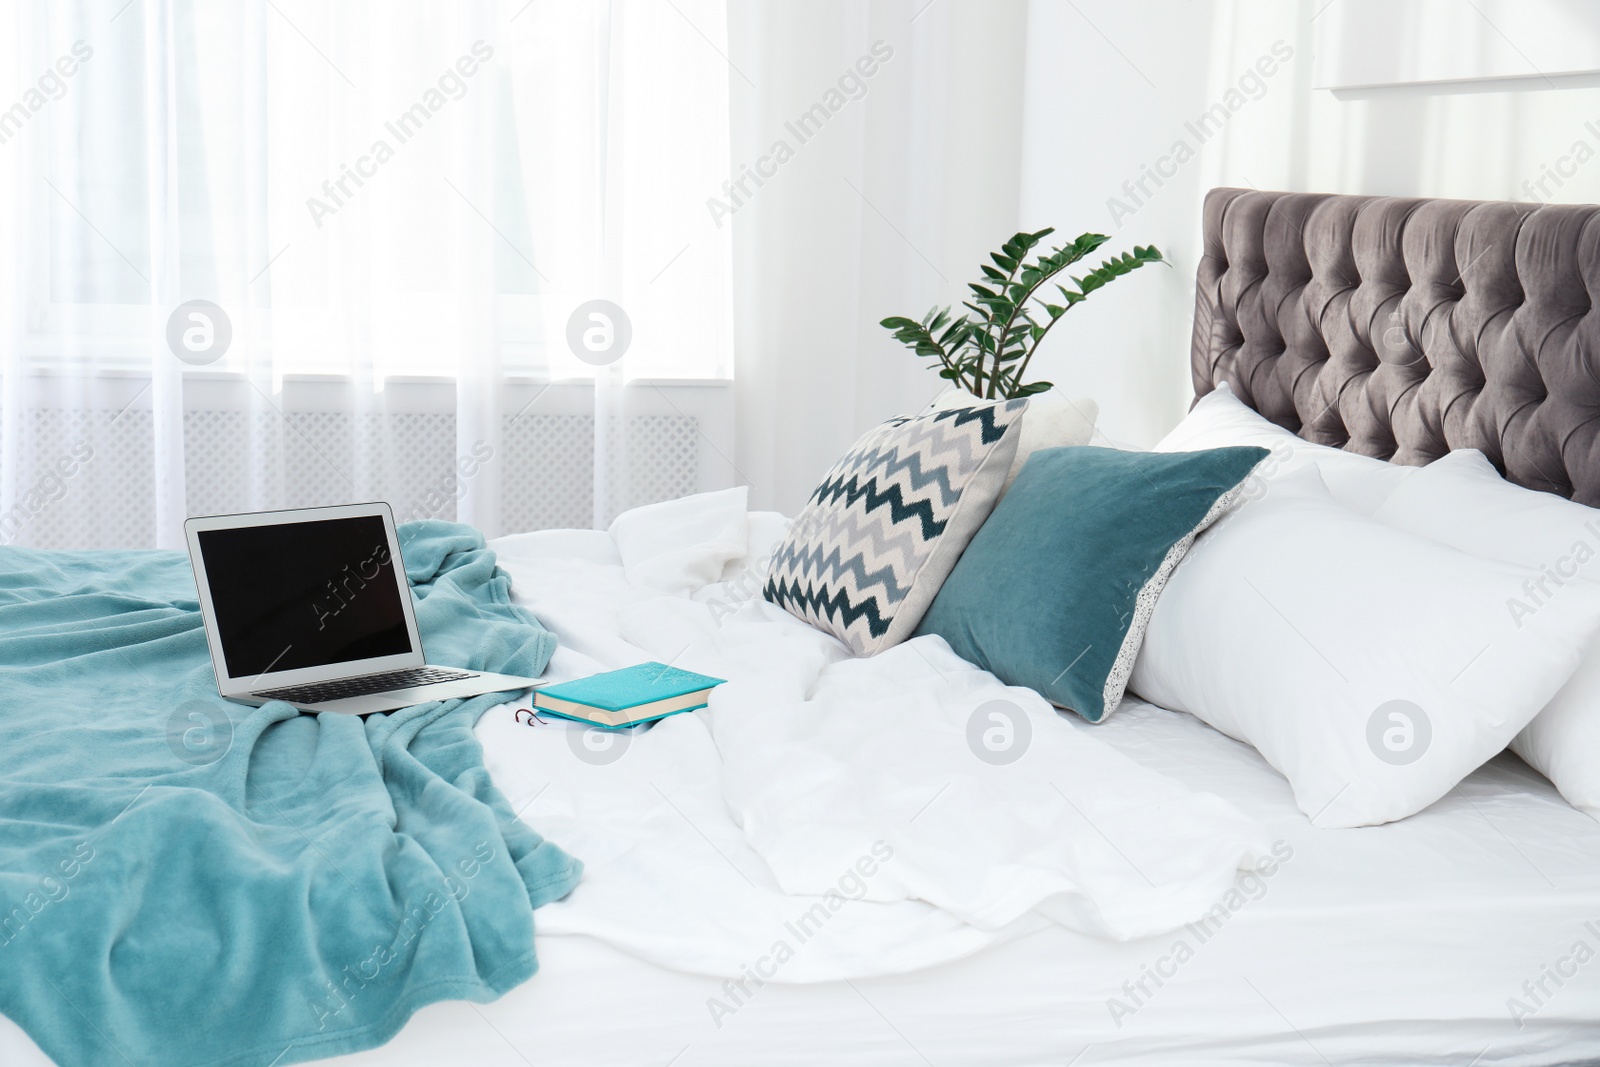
[
  {"x": 1219, "y": 418},
  {"x": 1373, "y": 667},
  {"x": 678, "y": 546},
  {"x": 1462, "y": 501},
  {"x": 1052, "y": 421}
]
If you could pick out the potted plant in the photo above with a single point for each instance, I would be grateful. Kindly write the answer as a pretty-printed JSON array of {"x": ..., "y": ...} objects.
[{"x": 988, "y": 351}]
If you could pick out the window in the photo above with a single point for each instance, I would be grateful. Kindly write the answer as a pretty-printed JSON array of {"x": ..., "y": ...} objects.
[{"x": 371, "y": 190}]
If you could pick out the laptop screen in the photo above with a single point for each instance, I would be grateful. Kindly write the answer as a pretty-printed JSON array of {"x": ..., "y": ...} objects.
[{"x": 304, "y": 594}]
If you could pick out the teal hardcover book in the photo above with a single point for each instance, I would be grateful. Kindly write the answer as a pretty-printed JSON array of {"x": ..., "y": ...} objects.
[{"x": 627, "y": 697}]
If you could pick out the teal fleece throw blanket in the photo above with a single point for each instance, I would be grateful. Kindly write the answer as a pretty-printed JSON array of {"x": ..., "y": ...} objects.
[{"x": 185, "y": 881}]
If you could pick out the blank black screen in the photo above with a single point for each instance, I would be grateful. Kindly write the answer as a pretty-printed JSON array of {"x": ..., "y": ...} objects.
[{"x": 304, "y": 594}]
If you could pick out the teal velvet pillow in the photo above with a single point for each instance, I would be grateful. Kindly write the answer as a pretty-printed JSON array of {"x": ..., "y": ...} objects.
[{"x": 1055, "y": 591}]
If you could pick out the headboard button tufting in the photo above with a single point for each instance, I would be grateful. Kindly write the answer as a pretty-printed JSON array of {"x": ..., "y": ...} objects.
[{"x": 1404, "y": 328}]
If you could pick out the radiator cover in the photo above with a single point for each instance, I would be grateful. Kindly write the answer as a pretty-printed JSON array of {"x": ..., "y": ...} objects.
[{"x": 244, "y": 461}]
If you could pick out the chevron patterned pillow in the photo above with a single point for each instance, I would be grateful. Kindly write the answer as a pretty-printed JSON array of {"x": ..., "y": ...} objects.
[{"x": 871, "y": 548}]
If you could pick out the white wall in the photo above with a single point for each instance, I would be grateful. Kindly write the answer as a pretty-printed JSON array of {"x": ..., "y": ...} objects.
[
  {"x": 1109, "y": 90},
  {"x": 995, "y": 115}
]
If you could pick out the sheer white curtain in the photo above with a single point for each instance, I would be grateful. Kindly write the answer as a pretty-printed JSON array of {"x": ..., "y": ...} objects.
[
  {"x": 901, "y": 121},
  {"x": 280, "y": 253}
]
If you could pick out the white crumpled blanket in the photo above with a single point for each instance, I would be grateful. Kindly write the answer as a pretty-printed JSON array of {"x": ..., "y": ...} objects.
[{"x": 826, "y": 817}]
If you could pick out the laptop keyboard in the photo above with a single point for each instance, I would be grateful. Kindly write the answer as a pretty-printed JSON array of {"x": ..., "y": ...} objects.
[{"x": 320, "y": 692}]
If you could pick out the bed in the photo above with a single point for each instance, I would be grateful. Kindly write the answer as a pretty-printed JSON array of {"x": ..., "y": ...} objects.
[{"x": 1398, "y": 329}]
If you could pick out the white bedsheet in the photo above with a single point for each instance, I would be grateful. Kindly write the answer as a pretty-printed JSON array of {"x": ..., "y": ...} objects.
[{"x": 1392, "y": 946}]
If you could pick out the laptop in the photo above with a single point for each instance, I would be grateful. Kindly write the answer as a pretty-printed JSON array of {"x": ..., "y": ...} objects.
[{"x": 312, "y": 607}]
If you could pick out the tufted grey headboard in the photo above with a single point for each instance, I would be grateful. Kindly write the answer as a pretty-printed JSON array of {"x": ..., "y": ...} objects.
[{"x": 1404, "y": 328}]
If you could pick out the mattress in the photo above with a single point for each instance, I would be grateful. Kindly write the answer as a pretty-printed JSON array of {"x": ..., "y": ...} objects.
[{"x": 1468, "y": 934}]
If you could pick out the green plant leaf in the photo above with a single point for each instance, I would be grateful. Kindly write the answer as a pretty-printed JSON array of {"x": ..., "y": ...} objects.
[
  {"x": 1085, "y": 243},
  {"x": 988, "y": 347}
]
